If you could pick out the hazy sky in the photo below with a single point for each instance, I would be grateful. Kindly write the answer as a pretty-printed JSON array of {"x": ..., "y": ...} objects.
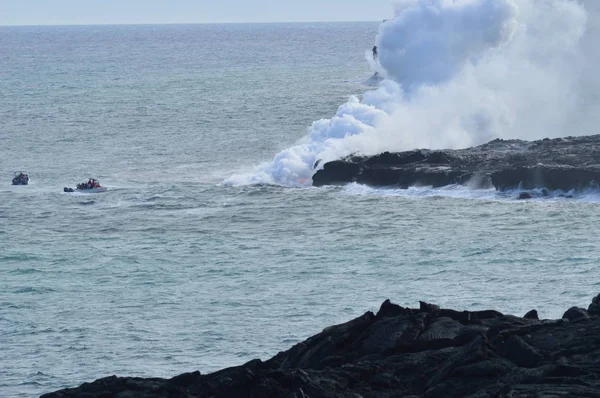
[{"x": 60, "y": 12}]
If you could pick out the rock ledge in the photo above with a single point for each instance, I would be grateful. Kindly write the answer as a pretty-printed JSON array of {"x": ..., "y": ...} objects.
[{"x": 571, "y": 163}]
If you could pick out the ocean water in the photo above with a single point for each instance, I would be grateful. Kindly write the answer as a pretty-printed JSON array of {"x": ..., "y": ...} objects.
[{"x": 171, "y": 270}]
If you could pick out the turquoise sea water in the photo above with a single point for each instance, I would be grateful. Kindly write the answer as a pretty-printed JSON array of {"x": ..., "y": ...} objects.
[{"x": 172, "y": 271}]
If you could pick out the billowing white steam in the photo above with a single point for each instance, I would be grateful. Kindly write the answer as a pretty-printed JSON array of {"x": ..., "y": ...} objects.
[
  {"x": 429, "y": 42},
  {"x": 459, "y": 73}
]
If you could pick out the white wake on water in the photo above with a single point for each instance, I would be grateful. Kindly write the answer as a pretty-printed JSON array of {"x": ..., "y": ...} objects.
[{"x": 457, "y": 74}]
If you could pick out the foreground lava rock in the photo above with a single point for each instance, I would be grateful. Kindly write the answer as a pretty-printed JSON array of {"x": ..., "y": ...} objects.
[
  {"x": 558, "y": 164},
  {"x": 401, "y": 352}
]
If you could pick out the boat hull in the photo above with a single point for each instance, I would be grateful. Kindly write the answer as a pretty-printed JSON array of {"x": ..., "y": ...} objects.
[{"x": 92, "y": 190}]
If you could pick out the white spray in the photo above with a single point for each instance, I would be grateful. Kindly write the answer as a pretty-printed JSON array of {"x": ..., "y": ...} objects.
[{"x": 459, "y": 73}]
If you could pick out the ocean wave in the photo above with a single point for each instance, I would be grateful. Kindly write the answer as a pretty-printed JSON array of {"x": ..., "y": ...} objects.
[
  {"x": 18, "y": 257},
  {"x": 35, "y": 290},
  {"x": 26, "y": 271}
]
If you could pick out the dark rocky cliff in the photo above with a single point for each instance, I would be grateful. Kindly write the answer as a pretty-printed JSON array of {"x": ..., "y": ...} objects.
[
  {"x": 558, "y": 164},
  {"x": 401, "y": 352}
]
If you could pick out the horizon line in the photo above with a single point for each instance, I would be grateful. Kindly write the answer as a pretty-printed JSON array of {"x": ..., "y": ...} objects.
[{"x": 183, "y": 23}]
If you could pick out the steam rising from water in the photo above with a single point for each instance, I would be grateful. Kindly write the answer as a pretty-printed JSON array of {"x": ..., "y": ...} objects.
[{"x": 460, "y": 73}]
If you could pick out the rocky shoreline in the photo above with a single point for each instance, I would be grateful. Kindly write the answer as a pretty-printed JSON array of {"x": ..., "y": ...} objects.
[
  {"x": 401, "y": 352},
  {"x": 571, "y": 163}
]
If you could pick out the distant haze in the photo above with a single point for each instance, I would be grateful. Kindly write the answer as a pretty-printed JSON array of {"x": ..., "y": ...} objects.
[{"x": 80, "y": 12}]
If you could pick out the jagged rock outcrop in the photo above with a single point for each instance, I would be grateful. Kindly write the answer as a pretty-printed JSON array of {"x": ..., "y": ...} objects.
[
  {"x": 428, "y": 352},
  {"x": 594, "y": 308},
  {"x": 558, "y": 164}
]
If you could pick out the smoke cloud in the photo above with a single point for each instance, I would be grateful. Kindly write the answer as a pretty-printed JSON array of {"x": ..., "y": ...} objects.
[{"x": 459, "y": 73}]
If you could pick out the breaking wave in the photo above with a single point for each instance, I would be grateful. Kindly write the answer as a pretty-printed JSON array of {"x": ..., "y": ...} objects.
[{"x": 464, "y": 192}]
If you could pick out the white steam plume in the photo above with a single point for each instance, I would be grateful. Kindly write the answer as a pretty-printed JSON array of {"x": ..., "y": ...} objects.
[{"x": 460, "y": 73}]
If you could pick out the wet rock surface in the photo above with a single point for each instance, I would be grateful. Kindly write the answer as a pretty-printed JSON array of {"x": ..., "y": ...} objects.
[
  {"x": 401, "y": 352},
  {"x": 557, "y": 164}
]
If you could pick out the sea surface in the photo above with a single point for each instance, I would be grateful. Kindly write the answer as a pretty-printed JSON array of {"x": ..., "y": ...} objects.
[{"x": 171, "y": 270}]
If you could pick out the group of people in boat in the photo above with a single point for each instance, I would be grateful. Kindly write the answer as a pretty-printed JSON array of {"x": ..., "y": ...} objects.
[
  {"x": 91, "y": 184},
  {"x": 20, "y": 178}
]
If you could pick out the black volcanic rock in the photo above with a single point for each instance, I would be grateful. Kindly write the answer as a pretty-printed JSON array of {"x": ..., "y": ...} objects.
[
  {"x": 401, "y": 352},
  {"x": 594, "y": 308},
  {"x": 533, "y": 314},
  {"x": 575, "y": 314},
  {"x": 518, "y": 351},
  {"x": 558, "y": 164},
  {"x": 340, "y": 172}
]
